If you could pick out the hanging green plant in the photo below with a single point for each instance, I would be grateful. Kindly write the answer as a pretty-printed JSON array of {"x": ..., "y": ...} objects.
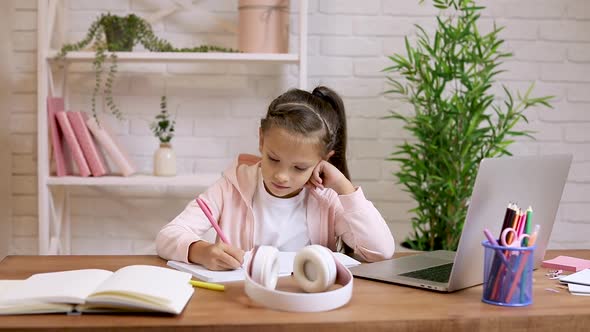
[{"x": 112, "y": 33}]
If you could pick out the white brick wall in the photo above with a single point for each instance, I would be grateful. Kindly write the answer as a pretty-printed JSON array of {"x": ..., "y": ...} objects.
[{"x": 219, "y": 107}]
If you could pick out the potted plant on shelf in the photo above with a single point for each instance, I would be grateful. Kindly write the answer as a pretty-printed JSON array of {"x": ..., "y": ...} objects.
[
  {"x": 163, "y": 129},
  {"x": 447, "y": 78},
  {"x": 112, "y": 33}
]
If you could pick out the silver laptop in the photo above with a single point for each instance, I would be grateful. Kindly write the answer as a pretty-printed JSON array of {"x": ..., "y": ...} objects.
[{"x": 537, "y": 181}]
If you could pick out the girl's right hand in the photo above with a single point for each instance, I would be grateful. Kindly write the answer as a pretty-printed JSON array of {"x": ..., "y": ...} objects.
[{"x": 216, "y": 256}]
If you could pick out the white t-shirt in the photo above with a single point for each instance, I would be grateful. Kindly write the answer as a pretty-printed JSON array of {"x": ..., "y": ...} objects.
[{"x": 280, "y": 222}]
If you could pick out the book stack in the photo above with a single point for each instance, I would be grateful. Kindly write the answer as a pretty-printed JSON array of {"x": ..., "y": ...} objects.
[{"x": 79, "y": 138}]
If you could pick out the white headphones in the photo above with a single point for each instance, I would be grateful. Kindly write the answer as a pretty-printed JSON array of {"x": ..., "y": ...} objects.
[{"x": 315, "y": 269}]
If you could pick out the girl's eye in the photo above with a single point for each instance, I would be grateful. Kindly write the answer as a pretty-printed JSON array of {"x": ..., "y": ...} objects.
[
  {"x": 300, "y": 169},
  {"x": 272, "y": 159}
]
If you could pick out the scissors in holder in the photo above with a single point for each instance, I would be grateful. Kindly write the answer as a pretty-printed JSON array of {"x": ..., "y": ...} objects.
[{"x": 510, "y": 238}]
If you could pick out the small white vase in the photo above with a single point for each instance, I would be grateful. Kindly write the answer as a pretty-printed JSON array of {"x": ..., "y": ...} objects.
[{"x": 165, "y": 160}]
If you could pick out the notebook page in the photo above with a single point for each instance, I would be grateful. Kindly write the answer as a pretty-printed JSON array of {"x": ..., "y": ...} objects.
[
  {"x": 58, "y": 287},
  {"x": 346, "y": 260},
  {"x": 116, "y": 302},
  {"x": 202, "y": 273},
  {"x": 582, "y": 278},
  {"x": 576, "y": 289},
  {"x": 7, "y": 284},
  {"x": 154, "y": 284},
  {"x": 286, "y": 259},
  {"x": 31, "y": 307}
]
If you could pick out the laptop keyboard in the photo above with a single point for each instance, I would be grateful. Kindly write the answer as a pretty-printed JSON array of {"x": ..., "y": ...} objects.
[{"x": 440, "y": 273}]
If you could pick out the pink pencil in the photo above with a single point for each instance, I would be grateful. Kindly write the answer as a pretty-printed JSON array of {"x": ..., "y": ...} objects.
[
  {"x": 209, "y": 216},
  {"x": 522, "y": 223}
]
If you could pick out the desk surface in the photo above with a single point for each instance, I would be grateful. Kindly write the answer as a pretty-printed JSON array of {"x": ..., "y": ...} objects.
[{"x": 374, "y": 306}]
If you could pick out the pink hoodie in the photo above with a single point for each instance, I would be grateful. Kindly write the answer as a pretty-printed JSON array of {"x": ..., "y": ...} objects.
[{"x": 329, "y": 215}]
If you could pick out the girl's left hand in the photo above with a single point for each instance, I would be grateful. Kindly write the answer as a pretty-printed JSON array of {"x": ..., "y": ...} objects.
[{"x": 326, "y": 175}]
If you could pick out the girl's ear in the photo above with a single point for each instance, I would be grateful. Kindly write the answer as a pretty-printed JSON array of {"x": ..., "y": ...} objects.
[
  {"x": 260, "y": 140},
  {"x": 330, "y": 154}
]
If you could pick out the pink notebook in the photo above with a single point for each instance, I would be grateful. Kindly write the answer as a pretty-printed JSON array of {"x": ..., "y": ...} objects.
[
  {"x": 566, "y": 263},
  {"x": 90, "y": 150},
  {"x": 54, "y": 105},
  {"x": 73, "y": 143},
  {"x": 112, "y": 148}
]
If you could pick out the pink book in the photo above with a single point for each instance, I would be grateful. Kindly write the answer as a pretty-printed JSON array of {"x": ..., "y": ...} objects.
[
  {"x": 91, "y": 153},
  {"x": 566, "y": 263},
  {"x": 54, "y": 105},
  {"x": 112, "y": 148},
  {"x": 73, "y": 143}
]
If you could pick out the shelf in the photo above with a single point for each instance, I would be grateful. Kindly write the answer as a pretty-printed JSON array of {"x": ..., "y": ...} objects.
[
  {"x": 54, "y": 201},
  {"x": 188, "y": 180},
  {"x": 183, "y": 57}
]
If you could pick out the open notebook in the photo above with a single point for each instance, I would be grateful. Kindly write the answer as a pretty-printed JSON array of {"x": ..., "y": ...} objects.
[
  {"x": 286, "y": 259},
  {"x": 135, "y": 288}
]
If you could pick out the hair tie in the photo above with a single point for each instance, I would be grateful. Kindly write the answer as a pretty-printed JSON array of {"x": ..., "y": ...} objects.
[{"x": 316, "y": 92}]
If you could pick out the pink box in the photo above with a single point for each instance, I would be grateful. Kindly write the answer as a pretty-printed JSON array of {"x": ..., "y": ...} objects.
[
  {"x": 566, "y": 263},
  {"x": 263, "y": 26}
]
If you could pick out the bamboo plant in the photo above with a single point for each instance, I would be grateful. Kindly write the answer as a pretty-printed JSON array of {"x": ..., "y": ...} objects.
[{"x": 448, "y": 78}]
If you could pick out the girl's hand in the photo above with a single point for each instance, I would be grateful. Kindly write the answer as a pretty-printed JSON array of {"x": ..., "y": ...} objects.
[
  {"x": 326, "y": 175},
  {"x": 216, "y": 256}
]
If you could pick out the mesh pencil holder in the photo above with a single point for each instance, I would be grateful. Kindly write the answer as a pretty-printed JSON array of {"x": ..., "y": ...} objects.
[{"x": 507, "y": 275}]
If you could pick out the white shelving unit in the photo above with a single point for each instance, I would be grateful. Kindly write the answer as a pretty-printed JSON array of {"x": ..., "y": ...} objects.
[
  {"x": 136, "y": 180},
  {"x": 53, "y": 194},
  {"x": 184, "y": 57}
]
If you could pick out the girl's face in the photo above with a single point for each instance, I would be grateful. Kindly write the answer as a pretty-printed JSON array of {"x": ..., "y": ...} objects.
[{"x": 287, "y": 161}]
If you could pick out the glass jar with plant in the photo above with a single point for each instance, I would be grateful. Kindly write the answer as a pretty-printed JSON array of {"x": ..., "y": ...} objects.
[
  {"x": 112, "y": 33},
  {"x": 456, "y": 122},
  {"x": 163, "y": 129}
]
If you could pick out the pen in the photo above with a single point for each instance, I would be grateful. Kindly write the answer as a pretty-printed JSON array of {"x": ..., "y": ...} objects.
[
  {"x": 534, "y": 235},
  {"x": 493, "y": 241},
  {"x": 522, "y": 226},
  {"x": 522, "y": 264},
  {"x": 512, "y": 222},
  {"x": 491, "y": 284},
  {"x": 207, "y": 285},
  {"x": 496, "y": 264},
  {"x": 527, "y": 230},
  {"x": 528, "y": 225},
  {"x": 209, "y": 216}
]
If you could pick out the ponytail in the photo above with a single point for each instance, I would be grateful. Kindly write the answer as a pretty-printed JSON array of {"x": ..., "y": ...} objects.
[
  {"x": 337, "y": 127},
  {"x": 338, "y": 140}
]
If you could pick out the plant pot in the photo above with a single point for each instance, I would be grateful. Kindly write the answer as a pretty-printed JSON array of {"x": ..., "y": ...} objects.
[
  {"x": 165, "y": 160},
  {"x": 120, "y": 32},
  {"x": 263, "y": 26},
  {"x": 408, "y": 245}
]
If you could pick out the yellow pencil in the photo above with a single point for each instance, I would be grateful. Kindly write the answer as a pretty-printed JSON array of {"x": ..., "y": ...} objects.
[{"x": 207, "y": 285}]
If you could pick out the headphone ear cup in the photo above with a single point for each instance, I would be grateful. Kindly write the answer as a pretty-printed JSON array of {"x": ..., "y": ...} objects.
[
  {"x": 314, "y": 268},
  {"x": 265, "y": 266}
]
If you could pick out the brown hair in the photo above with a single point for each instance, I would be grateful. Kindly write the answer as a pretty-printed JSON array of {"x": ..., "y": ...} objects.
[{"x": 319, "y": 113}]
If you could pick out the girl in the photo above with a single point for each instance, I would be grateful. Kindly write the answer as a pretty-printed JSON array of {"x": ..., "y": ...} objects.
[{"x": 298, "y": 193}]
